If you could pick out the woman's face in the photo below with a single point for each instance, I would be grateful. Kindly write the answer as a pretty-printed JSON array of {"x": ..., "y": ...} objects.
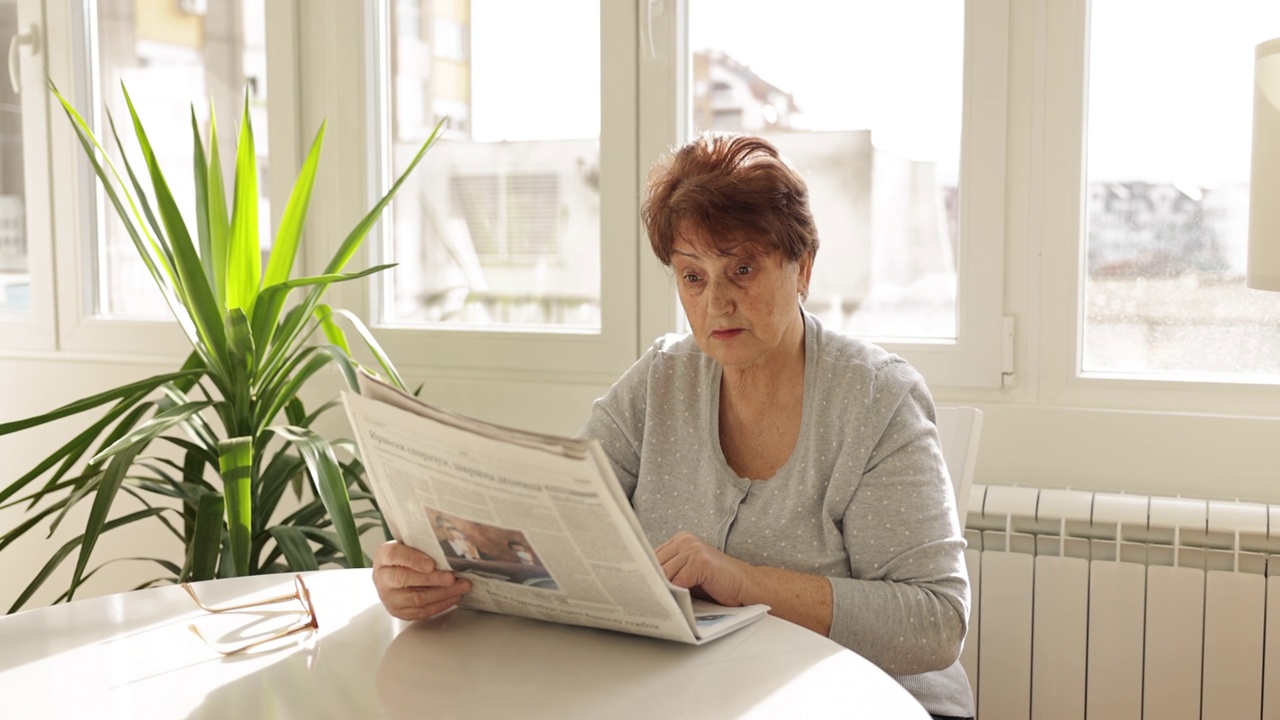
[{"x": 741, "y": 307}]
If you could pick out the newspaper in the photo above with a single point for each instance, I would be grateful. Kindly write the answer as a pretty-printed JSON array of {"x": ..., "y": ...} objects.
[{"x": 537, "y": 523}]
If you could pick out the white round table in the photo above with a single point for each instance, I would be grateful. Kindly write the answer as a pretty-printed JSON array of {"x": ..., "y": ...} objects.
[{"x": 132, "y": 655}]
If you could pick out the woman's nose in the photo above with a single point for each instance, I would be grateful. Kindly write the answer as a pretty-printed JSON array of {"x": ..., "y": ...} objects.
[{"x": 720, "y": 299}]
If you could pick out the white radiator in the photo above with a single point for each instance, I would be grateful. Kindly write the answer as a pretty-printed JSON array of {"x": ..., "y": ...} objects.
[{"x": 1100, "y": 606}]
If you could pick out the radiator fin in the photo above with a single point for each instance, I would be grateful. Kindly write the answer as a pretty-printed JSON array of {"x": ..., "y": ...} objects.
[
  {"x": 1061, "y": 613},
  {"x": 1117, "y": 602},
  {"x": 1004, "y": 645},
  {"x": 1271, "y": 652},
  {"x": 1234, "y": 613},
  {"x": 1175, "y": 631}
]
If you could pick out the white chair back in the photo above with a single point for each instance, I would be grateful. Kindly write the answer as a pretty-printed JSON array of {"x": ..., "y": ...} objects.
[{"x": 959, "y": 429}]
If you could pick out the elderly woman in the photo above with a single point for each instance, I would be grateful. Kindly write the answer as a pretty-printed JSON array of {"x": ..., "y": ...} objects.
[{"x": 768, "y": 459}]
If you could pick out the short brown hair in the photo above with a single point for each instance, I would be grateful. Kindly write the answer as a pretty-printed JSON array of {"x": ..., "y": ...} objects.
[{"x": 735, "y": 188}]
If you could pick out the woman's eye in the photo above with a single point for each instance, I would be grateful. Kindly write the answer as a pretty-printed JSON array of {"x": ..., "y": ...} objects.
[
  {"x": 743, "y": 270},
  {"x": 690, "y": 278}
]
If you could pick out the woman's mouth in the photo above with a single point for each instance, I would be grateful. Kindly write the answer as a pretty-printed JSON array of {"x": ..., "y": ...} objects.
[{"x": 725, "y": 334}]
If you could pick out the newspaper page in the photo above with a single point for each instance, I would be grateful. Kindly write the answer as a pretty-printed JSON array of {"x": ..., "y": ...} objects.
[{"x": 537, "y": 523}]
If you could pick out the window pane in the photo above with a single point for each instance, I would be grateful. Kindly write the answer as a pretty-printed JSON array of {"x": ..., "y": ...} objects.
[
  {"x": 173, "y": 55},
  {"x": 1170, "y": 106},
  {"x": 500, "y": 227},
  {"x": 15, "y": 282},
  {"x": 865, "y": 99}
]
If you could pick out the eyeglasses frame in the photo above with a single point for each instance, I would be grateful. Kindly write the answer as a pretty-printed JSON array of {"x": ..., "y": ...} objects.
[{"x": 301, "y": 593}]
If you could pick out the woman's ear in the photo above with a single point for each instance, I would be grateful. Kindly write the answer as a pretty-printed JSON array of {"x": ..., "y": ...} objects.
[{"x": 805, "y": 270}]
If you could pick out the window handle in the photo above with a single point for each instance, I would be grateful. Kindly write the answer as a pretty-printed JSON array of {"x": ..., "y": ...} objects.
[
  {"x": 652, "y": 8},
  {"x": 32, "y": 38}
]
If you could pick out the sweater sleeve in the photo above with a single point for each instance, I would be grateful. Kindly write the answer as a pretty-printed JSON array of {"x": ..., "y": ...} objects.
[
  {"x": 906, "y": 606},
  {"x": 618, "y": 419}
]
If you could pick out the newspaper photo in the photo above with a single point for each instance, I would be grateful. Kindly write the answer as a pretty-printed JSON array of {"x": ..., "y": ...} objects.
[{"x": 537, "y": 523}]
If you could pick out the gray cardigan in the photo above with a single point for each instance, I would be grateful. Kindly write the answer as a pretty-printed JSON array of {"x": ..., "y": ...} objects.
[{"x": 864, "y": 500}]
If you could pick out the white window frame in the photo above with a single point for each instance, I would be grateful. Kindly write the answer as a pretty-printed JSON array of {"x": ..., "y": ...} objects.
[
  {"x": 471, "y": 353},
  {"x": 664, "y": 120},
  {"x": 1059, "y": 191},
  {"x": 975, "y": 359},
  {"x": 35, "y": 329},
  {"x": 640, "y": 42},
  {"x": 1022, "y": 170},
  {"x": 80, "y": 331}
]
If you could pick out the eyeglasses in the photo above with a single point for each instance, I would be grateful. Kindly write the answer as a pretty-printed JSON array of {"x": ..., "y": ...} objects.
[{"x": 300, "y": 593}]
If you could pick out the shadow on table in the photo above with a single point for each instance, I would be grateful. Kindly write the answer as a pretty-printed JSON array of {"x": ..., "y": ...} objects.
[
  {"x": 329, "y": 677},
  {"x": 479, "y": 665},
  {"x": 326, "y": 675}
]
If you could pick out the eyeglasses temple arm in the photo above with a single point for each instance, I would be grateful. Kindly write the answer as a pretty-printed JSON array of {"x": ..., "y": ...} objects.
[{"x": 242, "y": 606}]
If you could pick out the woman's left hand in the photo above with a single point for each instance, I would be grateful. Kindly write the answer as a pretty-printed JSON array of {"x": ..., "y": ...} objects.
[{"x": 691, "y": 563}]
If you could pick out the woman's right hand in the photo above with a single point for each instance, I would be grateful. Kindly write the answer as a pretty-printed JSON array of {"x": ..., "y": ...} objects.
[{"x": 409, "y": 584}]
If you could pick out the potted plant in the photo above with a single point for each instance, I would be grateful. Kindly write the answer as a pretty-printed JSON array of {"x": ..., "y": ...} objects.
[{"x": 210, "y": 450}]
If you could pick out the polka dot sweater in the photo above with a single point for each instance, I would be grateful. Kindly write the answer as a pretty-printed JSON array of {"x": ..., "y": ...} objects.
[{"x": 864, "y": 500}]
